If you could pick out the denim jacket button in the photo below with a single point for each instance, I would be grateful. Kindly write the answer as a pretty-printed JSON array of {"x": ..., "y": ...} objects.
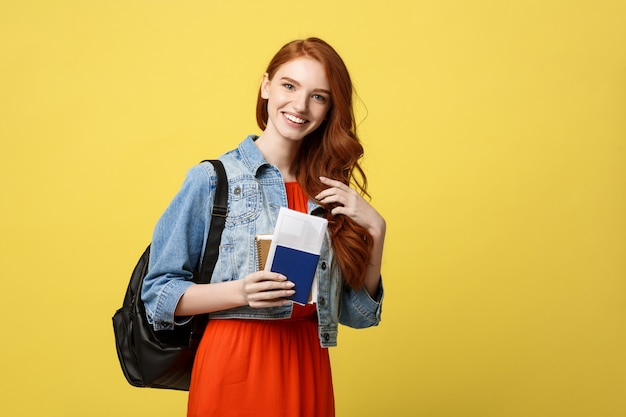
[
  {"x": 326, "y": 337},
  {"x": 322, "y": 301},
  {"x": 237, "y": 190},
  {"x": 323, "y": 266}
]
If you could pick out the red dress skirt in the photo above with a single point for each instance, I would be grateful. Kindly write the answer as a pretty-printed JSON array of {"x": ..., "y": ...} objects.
[{"x": 258, "y": 368}]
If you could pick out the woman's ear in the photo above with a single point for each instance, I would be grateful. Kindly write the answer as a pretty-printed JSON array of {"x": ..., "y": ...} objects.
[{"x": 265, "y": 86}]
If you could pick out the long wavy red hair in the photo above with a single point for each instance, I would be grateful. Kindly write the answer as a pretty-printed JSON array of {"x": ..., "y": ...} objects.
[{"x": 333, "y": 150}]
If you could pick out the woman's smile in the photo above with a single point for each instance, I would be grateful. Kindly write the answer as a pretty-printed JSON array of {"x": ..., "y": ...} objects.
[{"x": 294, "y": 119}]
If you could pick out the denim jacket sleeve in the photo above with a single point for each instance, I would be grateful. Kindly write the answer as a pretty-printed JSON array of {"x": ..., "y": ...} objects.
[
  {"x": 358, "y": 309},
  {"x": 177, "y": 245}
]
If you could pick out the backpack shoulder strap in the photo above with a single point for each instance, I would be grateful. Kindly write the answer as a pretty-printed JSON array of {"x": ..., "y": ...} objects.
[{"x": 218, "y": 220}]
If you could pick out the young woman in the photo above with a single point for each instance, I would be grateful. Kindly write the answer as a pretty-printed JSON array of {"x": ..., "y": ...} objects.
[{"x": 262, "y": 355}]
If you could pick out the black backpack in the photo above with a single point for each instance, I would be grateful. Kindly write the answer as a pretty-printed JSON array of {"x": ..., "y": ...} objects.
[{"x": 164, "y": 358}]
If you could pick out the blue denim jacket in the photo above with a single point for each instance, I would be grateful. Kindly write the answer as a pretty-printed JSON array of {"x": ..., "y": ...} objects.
[{"x": 256, "y": 193}]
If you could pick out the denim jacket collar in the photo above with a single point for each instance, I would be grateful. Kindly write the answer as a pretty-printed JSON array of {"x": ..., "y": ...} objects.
[
  {"x": 253, "y": 159},
  {"x": 251, "y": 156}
]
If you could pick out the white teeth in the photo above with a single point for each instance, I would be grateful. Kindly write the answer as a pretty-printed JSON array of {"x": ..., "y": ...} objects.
[{"x": 294, "y": 118}]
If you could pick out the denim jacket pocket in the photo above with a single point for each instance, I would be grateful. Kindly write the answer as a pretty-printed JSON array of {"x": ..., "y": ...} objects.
[{"x": 244, "y": 204}]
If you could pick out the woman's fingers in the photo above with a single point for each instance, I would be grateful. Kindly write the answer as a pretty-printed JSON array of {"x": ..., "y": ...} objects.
[
  {"x": 331, "y": 194},
  {"x": 349, "y": 202},
  {"x": 333, "y": 183},
  {"x": 267, "y": 289}
]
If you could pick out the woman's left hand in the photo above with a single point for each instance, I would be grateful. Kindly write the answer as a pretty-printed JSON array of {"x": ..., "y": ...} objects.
[{"x": 350, "y": 203}]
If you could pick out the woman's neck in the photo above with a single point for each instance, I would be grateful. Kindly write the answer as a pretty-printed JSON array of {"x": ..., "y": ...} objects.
[{"x": 280, "y": 153}]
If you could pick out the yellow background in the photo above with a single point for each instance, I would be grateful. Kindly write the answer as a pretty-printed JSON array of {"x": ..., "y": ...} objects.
[{"x": 495, "y": 144}]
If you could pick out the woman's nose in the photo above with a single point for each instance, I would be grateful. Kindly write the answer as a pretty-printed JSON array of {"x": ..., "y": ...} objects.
[{"x": 300, "y": 103}]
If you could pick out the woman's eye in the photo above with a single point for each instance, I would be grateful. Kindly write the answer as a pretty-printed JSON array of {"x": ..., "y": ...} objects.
[
  {"x": 319, "y": 98},
  {"x": 288, "y": 86}
]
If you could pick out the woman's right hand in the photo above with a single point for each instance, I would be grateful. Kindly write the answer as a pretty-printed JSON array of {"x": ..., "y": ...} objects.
[
  {"x": 266, "y": 289},
  {"x": 259, "y": 289}
]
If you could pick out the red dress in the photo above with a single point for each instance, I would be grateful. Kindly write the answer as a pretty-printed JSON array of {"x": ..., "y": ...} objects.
[{"x": 263, "y": 368}]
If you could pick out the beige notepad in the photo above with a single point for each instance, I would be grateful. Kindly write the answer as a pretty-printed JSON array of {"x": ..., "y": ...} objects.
[{"x": 263, "y": 243}]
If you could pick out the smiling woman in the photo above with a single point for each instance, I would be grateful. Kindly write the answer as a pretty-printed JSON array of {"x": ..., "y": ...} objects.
[
  {"x": 262, "y": 355},
  {"x": 332, "y": 151}
]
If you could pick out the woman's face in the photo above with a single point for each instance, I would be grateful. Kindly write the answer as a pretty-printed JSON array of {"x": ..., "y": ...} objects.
[{"x": 298, "y": 98}]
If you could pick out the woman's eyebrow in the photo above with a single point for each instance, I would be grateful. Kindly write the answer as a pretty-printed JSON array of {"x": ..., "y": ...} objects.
[{"x": 296, "y": 83}]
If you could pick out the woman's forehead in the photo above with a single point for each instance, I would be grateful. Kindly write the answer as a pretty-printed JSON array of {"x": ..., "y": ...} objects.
[{"x": 304, "y": 70}]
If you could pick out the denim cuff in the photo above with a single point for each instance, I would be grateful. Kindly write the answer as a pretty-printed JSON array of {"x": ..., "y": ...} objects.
[{"x": 167, "y": 301}]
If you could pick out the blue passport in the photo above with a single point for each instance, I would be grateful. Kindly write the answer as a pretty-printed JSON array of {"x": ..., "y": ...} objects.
[
  {"x": 295, "y": 249},
  {"x": 299, "y": 267}
]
